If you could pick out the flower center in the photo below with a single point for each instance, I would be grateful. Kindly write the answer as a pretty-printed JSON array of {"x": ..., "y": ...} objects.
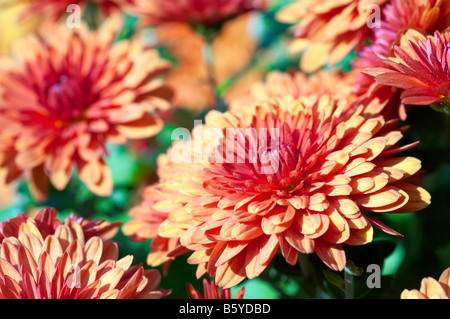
[{"x": 65, "y": 100}]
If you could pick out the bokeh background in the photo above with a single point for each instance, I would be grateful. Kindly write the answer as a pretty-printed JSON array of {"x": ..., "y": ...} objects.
[{"x": 423, "y": 251}]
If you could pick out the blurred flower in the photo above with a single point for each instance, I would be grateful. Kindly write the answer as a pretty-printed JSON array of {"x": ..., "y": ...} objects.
[
  {"x": 211, "y": 291},
  {"x": 42, "y": 258},
  {"x": 55, "y": 9},
  {"x": 303, "y": 194},
  {"x": 192, "y": 79},
  {"x": 398, "y": 16},
  {"x": 189, "y": 76},
  {"x": 11, "y": 27},
  {"x": 421, "y": 69},
  {"x": 65, "y": 94},
  {"x": 431, "y": 289},
  {"x": 328, "y": 30},
  {"x": 234, "y": 47},
  {"x": 7, "y": 192},
  {"x": 296, "y": 84},
  {"x": 195, "y": 12}
]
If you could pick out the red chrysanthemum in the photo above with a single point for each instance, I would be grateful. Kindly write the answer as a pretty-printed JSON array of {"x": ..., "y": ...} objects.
[
  {"x": 298, "y": 180},
  {"x": 421, "y": 69},
  {"x": 211, "y": 291},
  {"x": 42, "y": 258},
  {"x": 398, "y": 16},
  {"x": 66, "y": 94},
  {"x": 328, "y": 30},
  {"x": 204, "y": 12}
]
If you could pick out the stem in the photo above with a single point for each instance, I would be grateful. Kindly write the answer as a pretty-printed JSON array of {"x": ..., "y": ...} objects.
[
  {"x": 309, "y": 273},
  {"x": 446, "y": 130},
  {"x": 305, "y": 266},
  {"x": 349, "y": 280},
  {"x": 209, "y": 59},
  {"x": 350, "y": 272}
]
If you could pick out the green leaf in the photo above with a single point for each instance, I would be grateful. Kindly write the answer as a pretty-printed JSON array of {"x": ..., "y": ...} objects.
[
  {"x": 334, "y": 278},
  {"x": 123, "y": 165},
  {"x": 256, "y": 289}
]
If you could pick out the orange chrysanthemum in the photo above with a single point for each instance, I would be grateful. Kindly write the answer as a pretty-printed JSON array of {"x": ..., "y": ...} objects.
[
  {"x": 296, "y": 84},
  {"x": 305, "y": 193},
  {"x": 65, "y": 95},
  {"x": 47, "y": 224},
  {"x": 42, "y": 258},
  {"x": 430, "y": 288},
  {"x": 211, "y": 291},
  {"x": 421, "y": 69},
  {"x": 204, "y": 12},
  {"x": 398, "y": 17},
  {"x": 191, "y": 78},
  {"x": 144, "y": 224},
  {"x": 328, "y": 30}
]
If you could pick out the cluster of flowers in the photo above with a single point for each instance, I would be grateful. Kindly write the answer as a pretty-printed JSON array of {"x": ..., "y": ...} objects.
[{"x": 66, "y": 93}]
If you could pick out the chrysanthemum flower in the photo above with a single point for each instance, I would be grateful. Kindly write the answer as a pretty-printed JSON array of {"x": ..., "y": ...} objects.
[
  {"x": 306, "y": 192},
  {"x": 431, "y": 288},
  {"x": 42, "y": 258},
  {"x": 47, "y": 223},
  {"x": 398, "y": 17},
  {"x": 144, "y": 226},
  {"x": 211, "y": 291},
  {"x": 195, "y": 12},
  {"x": 65, "y": 94},
  {"x": 421, "y": 69},
  {"x": 55, "y": 9},
  {"x": 296, "y": 84},
  {"x": 328, "y": 30}
]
